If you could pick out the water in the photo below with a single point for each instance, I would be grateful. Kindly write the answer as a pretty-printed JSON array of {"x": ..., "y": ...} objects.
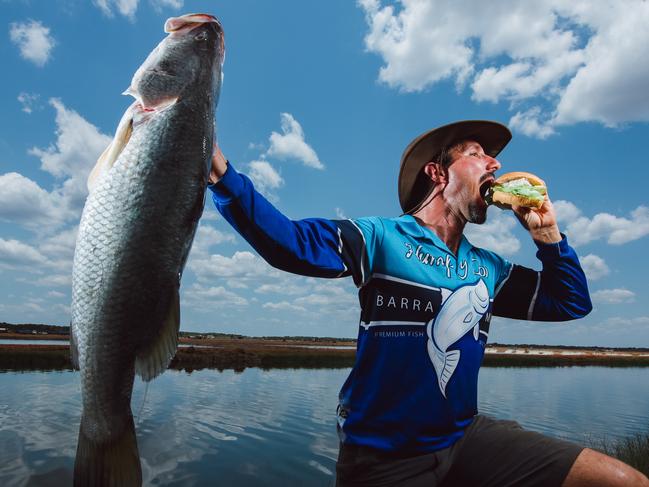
[{"x": 277, "y": 427}]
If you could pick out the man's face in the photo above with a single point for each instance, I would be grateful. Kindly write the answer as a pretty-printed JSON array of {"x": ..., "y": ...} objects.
[{"x": 469, "y": 175}]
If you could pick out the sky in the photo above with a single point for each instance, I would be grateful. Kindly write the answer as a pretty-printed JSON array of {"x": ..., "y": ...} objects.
[{"x": 318, "y": 102}]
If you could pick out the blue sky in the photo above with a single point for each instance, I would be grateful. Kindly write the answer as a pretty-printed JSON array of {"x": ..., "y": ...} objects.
[{"x": 319, "y": 100}]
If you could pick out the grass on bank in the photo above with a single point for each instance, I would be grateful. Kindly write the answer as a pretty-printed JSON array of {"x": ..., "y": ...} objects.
[
  {"x": 238, "y": 355},
  {"x": 633, "y": 451}
]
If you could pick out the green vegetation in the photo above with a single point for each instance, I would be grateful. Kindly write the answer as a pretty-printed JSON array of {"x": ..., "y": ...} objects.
[
  {"x": 57, "y": 357},
  {"x": 41, "y": 357},
  {"x": 239, "y": 354},
  {"x": 633, "y": 451},
  {"x": 521, "y": 360}
]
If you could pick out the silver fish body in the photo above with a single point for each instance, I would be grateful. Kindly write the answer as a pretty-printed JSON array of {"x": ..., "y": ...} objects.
[
  {"x": 146, "y": 196},
  {"x": 460, "y": 312}
]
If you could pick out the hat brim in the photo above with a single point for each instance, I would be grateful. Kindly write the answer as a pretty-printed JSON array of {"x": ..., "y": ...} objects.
[{"x": 492, "y": 136}]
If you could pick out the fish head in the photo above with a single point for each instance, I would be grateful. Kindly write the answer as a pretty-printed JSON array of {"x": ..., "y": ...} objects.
[
  {"x": 188, "y": 61},
  {"x": 480, "y": 297}
]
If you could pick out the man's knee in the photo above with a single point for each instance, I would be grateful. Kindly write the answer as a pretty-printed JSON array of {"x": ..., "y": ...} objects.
[{"x": 596, "y": 469}]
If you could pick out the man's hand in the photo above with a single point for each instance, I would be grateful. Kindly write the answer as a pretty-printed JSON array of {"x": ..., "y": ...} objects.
[
  {"x": 219, "y": 165},
  {"x": 541, "y": 223}
]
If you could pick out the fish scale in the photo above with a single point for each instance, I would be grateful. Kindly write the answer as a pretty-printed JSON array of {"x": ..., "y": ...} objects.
[{"x": 145, "y": 197}]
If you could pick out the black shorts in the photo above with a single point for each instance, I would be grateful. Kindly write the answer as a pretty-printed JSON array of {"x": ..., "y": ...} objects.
[{"x": 491, "y": 453}]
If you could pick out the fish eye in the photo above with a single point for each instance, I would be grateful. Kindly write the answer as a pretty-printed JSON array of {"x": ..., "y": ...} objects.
[{"x": 201, "y": 36}]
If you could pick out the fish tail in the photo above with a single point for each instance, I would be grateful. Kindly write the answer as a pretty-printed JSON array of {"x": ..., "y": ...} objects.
[
  {"x": 444, "y": 364},
  {"x": 113, "y": 463}
]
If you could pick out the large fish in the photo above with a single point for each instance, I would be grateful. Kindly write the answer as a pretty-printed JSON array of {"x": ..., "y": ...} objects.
[
  {"x": 146, "y": 194},
  {"x": 460, "y": 312}
]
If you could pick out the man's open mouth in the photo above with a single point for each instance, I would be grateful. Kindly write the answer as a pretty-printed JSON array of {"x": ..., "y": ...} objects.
[{"x": 485, "y": 187}]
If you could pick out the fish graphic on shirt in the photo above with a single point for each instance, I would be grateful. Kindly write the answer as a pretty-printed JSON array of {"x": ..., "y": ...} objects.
[{"x": 460, "y": 312}]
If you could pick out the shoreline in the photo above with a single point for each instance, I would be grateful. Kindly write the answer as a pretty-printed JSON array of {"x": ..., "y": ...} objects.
[{"x": 239, "y": 354}]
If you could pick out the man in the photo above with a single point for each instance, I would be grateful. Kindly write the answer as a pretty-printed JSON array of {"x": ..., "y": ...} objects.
[{"x": 408, "y": 411}]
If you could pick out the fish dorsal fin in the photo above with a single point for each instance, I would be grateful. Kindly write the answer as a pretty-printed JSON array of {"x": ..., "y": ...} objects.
[
  {"x": 154, "y": 359},
  {"x": 111, "y": 153}
]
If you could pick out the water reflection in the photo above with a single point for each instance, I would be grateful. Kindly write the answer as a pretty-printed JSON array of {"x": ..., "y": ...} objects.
[{"x": 277, "y": 427}]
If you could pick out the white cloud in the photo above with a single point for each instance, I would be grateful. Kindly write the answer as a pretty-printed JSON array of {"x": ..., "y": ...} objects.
[
  {"x": 611, "y": 86},
  {"x": 585, "y": 62},
  {"x": 28, "y": 101},
  {"x": 496, "y": 234},
  {"x": 265, "y": 178},
  {"x": 291, "y": 144},
  {"x": 420, "y": 45},
  {"x": 334, "y": 295},
  {"x": 594, "y": 266},
  {"x": 160, "y": 4},
  {"x": 78, "y": 145},
  {"x": 613, "y": 296},
  {"x": 127, "y": 8},
  {"x": 616, "y": 230},
  {"x": 55, "y": 280},
  {"x": 283, "y": 306},
  {"x": 242, "y": 265},
  {"x": 620, "y": 321},
  {"x": 288, "y": 287},
  {"x": 235, "y": 284},
  {"x": 33, "y": 39},
  {"x": 59, "y": 249},
  {"x": 529, "y": 123},
  {"x": 15, "y": 254},
  {"x": 211, "y": 297},
  {"x": 24, "y": 202},
  {"x": 206, "y": 238}
]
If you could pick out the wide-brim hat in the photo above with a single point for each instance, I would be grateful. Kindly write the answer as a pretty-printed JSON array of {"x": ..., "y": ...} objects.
[{"x": 414, "y": 188}]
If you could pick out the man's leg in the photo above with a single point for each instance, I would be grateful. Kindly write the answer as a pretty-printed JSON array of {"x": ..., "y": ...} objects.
[{"x": 596, "y": 469}]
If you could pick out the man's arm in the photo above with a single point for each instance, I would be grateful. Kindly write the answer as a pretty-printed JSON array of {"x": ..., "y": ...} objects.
[
  {"x": 314, "y": 247},
  {"x": 557, "y": 293},
  {"x": 560, "y": 291}
]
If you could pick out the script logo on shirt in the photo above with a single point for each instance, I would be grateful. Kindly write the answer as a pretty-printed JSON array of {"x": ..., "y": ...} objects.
[{"x": 446, "y": 262}]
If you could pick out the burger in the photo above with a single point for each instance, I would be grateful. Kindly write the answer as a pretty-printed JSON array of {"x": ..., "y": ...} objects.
[{"x": 517, "y": 189}]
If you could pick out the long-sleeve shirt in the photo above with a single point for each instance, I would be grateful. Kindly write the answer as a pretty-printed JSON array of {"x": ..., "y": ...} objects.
[{"x": 425, "y": 312}]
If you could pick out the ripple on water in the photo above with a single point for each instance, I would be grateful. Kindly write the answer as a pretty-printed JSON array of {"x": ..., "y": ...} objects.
[{"x": 278, "y": 427}]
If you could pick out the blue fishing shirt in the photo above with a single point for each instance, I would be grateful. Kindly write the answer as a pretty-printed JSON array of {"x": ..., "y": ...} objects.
[{"x": 425, "y": 312}]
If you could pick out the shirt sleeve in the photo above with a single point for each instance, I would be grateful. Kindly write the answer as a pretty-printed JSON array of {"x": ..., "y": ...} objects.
[
  {"x": 316, "y": 247},
  {"x": 559, "y": 292}
]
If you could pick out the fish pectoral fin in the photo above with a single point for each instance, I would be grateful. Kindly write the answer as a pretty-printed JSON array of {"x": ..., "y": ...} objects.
[
  {"x": 74, "y": 349},
  {"x": 154, "y": 359},
  {"x": 111, "y": 153}
]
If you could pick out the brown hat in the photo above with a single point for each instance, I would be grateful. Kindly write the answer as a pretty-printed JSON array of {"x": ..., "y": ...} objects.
[{"x": 413, "y": 189}]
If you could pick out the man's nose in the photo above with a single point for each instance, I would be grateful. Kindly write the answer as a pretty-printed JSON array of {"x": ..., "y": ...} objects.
[{"x": 493, "y": 165}]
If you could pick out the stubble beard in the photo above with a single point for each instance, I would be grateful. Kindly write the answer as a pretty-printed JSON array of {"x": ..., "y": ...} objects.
[{"x": 477, "y": 214}]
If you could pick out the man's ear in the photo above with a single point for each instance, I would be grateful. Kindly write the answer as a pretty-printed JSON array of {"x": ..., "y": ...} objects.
[{"x": 436, "y": 172}]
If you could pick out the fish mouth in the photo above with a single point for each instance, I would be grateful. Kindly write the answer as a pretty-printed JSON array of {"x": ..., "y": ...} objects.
[{"x": 188, "y": 22}]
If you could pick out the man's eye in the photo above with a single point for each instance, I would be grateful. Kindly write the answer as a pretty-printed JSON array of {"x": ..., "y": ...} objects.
[{"x": 475, "y": 154}]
